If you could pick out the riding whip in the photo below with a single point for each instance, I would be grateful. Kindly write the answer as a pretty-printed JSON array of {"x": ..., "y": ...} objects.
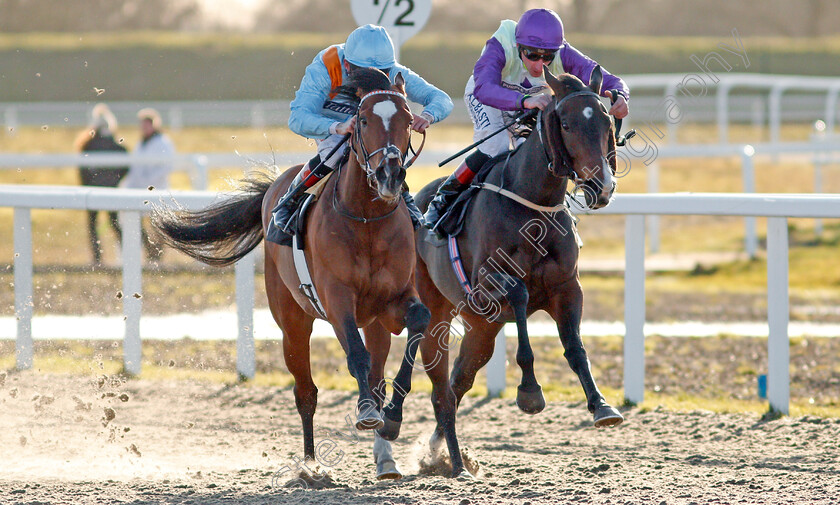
[{"x": 522, "y": 116}]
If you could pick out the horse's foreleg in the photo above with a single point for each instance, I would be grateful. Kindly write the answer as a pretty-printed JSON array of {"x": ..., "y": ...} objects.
[
  {"x": 358, "y": 357},
  {"x": 378, "y": 342},
  {"x": 566, "y": 309},
  {"x": 415, "y": 317},
  {"x": 435, "y": 352},
  {"x": 529, "y": 395}
]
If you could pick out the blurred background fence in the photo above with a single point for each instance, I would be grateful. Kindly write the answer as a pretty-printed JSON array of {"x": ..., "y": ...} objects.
[{"x": 756, "y": 99}]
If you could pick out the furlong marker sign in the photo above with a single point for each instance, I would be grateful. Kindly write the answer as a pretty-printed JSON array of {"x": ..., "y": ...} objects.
[{"x": 402, "y": 18}]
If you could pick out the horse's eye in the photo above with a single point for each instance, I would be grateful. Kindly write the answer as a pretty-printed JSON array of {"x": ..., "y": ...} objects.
[
  {"x": 565, "y": 125},
  {"x": 363, "y": 121}
]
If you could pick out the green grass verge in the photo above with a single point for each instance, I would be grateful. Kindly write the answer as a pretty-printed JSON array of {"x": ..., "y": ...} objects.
[
  {"x": 173, "y": 65},
  {"x": 679, "y": 402},
  {"x": 674, "y": 379}
]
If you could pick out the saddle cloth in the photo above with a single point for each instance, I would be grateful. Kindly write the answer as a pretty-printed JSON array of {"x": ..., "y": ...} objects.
[{"x": 452, "y": 221}]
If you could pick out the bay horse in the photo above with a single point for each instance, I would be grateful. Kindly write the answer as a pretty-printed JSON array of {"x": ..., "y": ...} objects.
[
  {"x": 359, "y": 245},
  {"x": 519, "y": 245}
]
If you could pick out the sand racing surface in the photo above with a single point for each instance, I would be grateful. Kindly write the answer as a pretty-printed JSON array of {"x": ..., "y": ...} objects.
[{"x": 85, "y": 440}]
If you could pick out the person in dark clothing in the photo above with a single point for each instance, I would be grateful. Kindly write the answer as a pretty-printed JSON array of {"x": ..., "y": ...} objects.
[{"x": 99, "y": 137}]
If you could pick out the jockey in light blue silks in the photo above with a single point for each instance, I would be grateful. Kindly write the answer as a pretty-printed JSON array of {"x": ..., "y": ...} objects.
[
  {"x": 319, "y": 114},
  {"x": 507, "y": 79}
]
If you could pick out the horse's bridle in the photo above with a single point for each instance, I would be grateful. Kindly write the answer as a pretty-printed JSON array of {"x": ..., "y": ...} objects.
[
  {"x": 549, "y": 156},
  {"x": 389, "y": 150}
]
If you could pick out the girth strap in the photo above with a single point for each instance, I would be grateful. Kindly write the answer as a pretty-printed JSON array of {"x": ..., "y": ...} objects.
[
  {"x": 518, "y": 199},
  {"x": 307, "y": 287}
]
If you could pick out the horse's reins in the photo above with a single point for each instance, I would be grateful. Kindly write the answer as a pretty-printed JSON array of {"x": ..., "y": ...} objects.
[
  {"x": 389, "y": 151},
  {"x": 527, "y": 203}
]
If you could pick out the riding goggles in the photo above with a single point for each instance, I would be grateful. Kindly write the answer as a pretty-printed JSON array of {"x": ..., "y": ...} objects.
[{"x": 537, "y": 56}]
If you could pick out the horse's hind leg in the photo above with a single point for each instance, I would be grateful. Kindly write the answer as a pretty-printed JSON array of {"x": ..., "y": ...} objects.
[
  {"x": 297, "y": 328},
  {"x": 434, "y": 349},
  {"x": 566, "y": 309},
  {"x": 529, "y": 395},
  {"x": 476, "y": 349}
]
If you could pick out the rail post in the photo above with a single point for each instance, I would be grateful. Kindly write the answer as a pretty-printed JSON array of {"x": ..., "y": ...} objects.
[
  {"x": 132, "y": 258},
  {"x": 653, "y": 219},
  {"x": 634, "y": 308},
  {"x": 23, "y": 287},
  {"x": 246, "y": 361},
  {"x": 778, "y": 315},
  {"x": 748, "y": 177},
  {"x": 199, "y": 173},
  {"x": 496, "y": 366}
]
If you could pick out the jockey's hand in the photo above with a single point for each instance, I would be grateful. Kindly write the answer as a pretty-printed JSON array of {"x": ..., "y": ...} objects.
[
  {"x": 536, "y": 102},
  {"x": 346, "y": 127},
  {"x": 420, "y": 122},
  {"x": 620, "y": 108}
]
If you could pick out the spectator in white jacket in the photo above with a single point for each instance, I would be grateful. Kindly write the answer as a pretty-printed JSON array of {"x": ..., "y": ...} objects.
[
  {"x": 153, "y": 143},
  {"x": 151, "y": 175}
]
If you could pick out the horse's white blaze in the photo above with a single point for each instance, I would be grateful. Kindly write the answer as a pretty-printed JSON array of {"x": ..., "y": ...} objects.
[
  {"x": 385, "y": 110},
  {"x": 587, "y": 112}
]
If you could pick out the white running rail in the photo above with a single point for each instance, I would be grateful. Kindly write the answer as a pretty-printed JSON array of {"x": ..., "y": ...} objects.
[{"x": 133, "y": 203}]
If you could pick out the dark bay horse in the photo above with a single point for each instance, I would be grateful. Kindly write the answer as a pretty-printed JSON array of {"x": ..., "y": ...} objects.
[
  {"x": 519, "y": 246},
  {"x": 359, "y": 245}
]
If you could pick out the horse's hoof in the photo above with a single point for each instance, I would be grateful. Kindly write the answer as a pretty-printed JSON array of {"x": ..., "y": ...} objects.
[
  {"x": 388, "y": 470},
  {"x": 463, "y": 474},
  {"x": 607, "y": 416},
  {"x": 369, "y": 420},
  {"x": 391, "y": 430},
  {"x": 530, "y": 402}
]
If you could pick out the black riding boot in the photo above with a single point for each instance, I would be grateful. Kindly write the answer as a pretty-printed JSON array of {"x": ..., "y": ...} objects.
[
  {"x": 413, "y": 211},
  {"x": 453, "y": 186},
  {"x": 282, "y": 214},
  {"x": 446, "y": 194}
]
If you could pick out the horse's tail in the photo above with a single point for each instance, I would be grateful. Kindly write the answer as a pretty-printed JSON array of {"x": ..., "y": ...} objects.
[{"x": 222, "y": 233}]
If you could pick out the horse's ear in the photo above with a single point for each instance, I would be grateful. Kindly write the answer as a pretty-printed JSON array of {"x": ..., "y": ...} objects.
[
  {"x": 399, "y": 83},
  {"x": 552, "y": 81},
  {"x": 596, "y": 80}
]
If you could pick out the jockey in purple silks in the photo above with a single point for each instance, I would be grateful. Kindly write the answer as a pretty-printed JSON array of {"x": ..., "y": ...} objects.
[{"x": 508, "y": 78}]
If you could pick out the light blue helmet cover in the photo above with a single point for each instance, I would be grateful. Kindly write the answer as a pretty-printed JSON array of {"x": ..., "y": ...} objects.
[{"x": 370, "y": 46}]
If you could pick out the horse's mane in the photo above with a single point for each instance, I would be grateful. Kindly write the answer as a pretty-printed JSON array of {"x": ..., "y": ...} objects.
[{"x": 364, "y": 80}]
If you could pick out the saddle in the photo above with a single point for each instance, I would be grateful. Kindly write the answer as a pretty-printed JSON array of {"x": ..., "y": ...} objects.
[
  {"x": 452, "y": 221},
  {"x": 298, "y": 219}
]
